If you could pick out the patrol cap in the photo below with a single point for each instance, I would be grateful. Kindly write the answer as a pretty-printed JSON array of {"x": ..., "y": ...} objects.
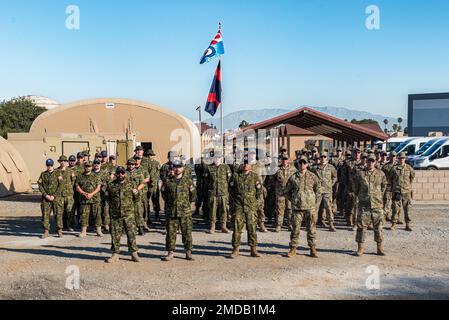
[
  {"x": 150, "y": 152},
  {"x": 357, "y": 149},
  {"x": 370, "y": 151},
  {"x": 88, "y": 164},
  {"x": 378, "y": 151},
  {"x": 283, "y": 156},
  {"x": 384, "y": 153},
  {"x": 172, "y": 154},
  {"x": 304, "y": 150},
  {"x": 80, "y": 155},
  {"x": 177, "y": 164},
  {"x": 131, "y": 161},
  {"x": 393, "y": 154},
  {"x": 138, "y": 148},
  {"x": 136, "y": 157},
  {"x": 324, "y": 155},
  {"x": 86, "y": 153},
  {"x": 98, "y": 155},
  {"x": 371, "y": 157},
  {"x": 303, "y": 159},
  {"x": 96, "y": 161},
  {"x": 315, "y": 149},
  {"x": 72, "y": 158},
  {"x": 104, "y": 154},
  {"x": 62, "y": 158},
  {"x": 49, "y": 162},
  {"x": 348, "y": 153},
  {"x": 339, "y": 149},
  {"x": 402, "y": 155},
  {"x": 120, "y": 170},
  {"x": 364, "y": 155},
  {"x": 283, "y": 148},
  {"x": 111, "y": 157}
]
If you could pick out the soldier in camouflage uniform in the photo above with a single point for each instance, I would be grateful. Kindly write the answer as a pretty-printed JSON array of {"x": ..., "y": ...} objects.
[
  {"x": 402, "y": 187},
  {"x": 64, "y": 195},
  {"x": 259, "y": 169},
  {"x": 88, "y": 185},
  {"x": 338, "y": 161},
  {"x": 153, "y": 171},
  {"x": 143, "y": 170},
  {"x": 283, "y": 205},
  {"x": 245, "y": 187},
  {"x": 104, "y": 177},
  {"x": 121, "y": 193},
  {"x": 138, "y": 179},
  {"x": 349, "y": 175},
  {"x": 79, "y": 170},
  {"x": 370, "y": 185},
  {"x": 71, "y": 216},
  {"x": 327, "y": 175},
  {"x": 178, "y": 192},
  {"x": 302, "y": 191},
  {"x": 388, "y": 196},
  {"x": 48, "y": 185},
  {"x": 270, "y": 199}
]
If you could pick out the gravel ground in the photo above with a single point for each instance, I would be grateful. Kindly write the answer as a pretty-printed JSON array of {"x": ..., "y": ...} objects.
[{"x": 416, "y": 265}]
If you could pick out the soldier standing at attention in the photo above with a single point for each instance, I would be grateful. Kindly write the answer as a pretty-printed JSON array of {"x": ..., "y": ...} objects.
[
  {"x": 104, "y": 177},
  {"x": 388, "y": 196},
  {"x": 139, "y": 168},
  {"x": 48, "y": 186},
  {"x": 259, "y": 169},
  {"x": 71, "y": 221},
  {"x": 153, "y": 170},
  {"x": 327, "y": 175},
  {"x": 178, "y": 192},
  {"x": 283, "y": 205},
  {"x": 302, "y": 190},
  {"x": 217, "y": 177},
  {"x": 88, "y": 185},
  {"x": 137, "y": 179},
  {"x": 402, "y": 181},
  {"x": 121, "y": 192},
  {"x": 64, "y": 194},
  {"x": 370, "y": 186},
  {"x": 338, "y": 161},
  {"x": 246, "y": 188},
  {"x": 200, "y": 169}
]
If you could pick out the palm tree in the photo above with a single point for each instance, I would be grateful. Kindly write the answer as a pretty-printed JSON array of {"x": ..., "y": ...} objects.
[
  {"x": 386, "y": 124},
  {"x": 395, "y": 127}
]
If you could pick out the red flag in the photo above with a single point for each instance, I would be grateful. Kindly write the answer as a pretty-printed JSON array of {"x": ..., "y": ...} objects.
[{"x": 214, "y": 97}]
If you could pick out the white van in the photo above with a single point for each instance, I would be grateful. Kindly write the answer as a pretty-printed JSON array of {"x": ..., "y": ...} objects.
[
  {"x": 411, "y": 145},
  {"x": 390, "y": 144},
  {"x": 435, "y": 158},
  {"x": 423, "y": 149}
]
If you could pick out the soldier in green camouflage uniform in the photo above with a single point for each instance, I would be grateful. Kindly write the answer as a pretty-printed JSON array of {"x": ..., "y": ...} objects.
[
  {"x": 388, "y": 196},
  {"x": 70, "y": 221},
  {"x": 350, "y": 170},
  {"x": 138, "y": 179},
  {"x": 338, "y": 162},
  {"x": 79, "y": 170},
  {"x": 105, "y": 178},
  {"x": 178, "y": 192},
  {"x": 64, "y": 195},
  {"x": 153, "y": 171},
  {"x": 402, "y": 187},
  {"x": 88, "y": 185},
  {"x": 143, "y": 170},
  {"x": 48, "y": 185},
  {"x": 121, "y": 193},
  {"x": 217, "y": 177},
  {"x": 370, "y": 185},
  {"x": 270, "y": 199},
  {"x": 245, "y": 188},
  {"x": 327, "y": 175},
  {"x": 201, "y": 187},
  {"x": 302, "y": 191},
  {"x": 283, "y": 205},
  {"x": 259, "y": 169}
]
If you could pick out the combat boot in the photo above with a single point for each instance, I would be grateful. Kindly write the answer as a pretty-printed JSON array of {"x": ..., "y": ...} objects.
[
  {"x": 292, "y": 252},
  {"x": 407, "y": 227},
  {"x": 332, "y": 227},
  {"x": 290, "y": 228},
  {"x": 45, "y": 235},
  {"x": 83, "y": 233},
  {"x": 135, "y": 257},
  {"x": 169, "y": 256},
  {"x": 189, "y": 255},
  {"x": 360, "y": 249},
  {"x": 106, "y": 228},
  {"x": 141, "y": 233},
  {"x": 99, "y": 233},
  {"x": 254, "y": 252},
  {"x": 235, "y": 253},
  {"x": 262, "y": 228},
  {"x": 224, "y": 229},
  {"x": 349, "y": 220},
  {"x": 380, "y": 250},
  {"x": 212, "y": 229},
  {"x": 278, "y": 229},
  {"x": 113, "y": 258},
  {"x": 393, "y": 226},
  {"x": 313, "y": 252},
  {"x": 60, "y": 233}
]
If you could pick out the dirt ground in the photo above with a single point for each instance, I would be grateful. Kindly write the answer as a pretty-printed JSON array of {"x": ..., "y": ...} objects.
[{"x": 416, "y": 265}]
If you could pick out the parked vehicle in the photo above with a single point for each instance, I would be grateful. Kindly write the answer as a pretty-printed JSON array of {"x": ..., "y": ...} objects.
[
  {"x": 411, "y": 145},
  {"x": 423, "y": 149},
  {"x": 390, "y": 144},
  {"x": 435, "y": 158}
]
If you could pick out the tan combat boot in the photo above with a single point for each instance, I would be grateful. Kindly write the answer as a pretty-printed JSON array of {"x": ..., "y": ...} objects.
[
  {"x": 224, "y": 229},
  {"x": 360, "y": 249},
  {"x": 254, "y": 252},
  {"x": 393, "y": 226},
  {"x": 380, "y": 250},
  {"x": 83, "y": 233},
  {"x": 45, "y": 235},
  {"x": 113, "y": 258},
  {"x": 407, "y": 227},
  {"x": 189, "y": 255},
  {"x": 169, "y": 256},
  {"x": 292, "y": 252},
  {"x": 278, "y": 229},
  {"x": 211, "y": 229},
  {"x": 135, "y": 257},
  {"x": 349, "y": 220},
  {"x": 332, "y": 227},
  {"x": 235, "y": 253},
  {"x": 60, "y": 233},
  {"x": 99, "y": 233},
  {"x": 262, "y": 227},
  {"x": 313, "y": 252},
  {"x": 106, "y": 228}
]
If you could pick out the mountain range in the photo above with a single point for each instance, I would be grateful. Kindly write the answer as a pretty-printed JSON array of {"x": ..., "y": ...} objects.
[{"x": 232, "y": 120}]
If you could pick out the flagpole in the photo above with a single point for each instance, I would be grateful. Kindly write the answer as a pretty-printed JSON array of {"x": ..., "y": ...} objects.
[{"x": 221, "y": 108}]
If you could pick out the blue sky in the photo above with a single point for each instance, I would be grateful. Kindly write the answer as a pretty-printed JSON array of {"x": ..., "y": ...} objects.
[{"x": 278, "y": 53}]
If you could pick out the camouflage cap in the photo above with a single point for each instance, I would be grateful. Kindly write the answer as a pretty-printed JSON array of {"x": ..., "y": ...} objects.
[
  {"x": 339, "y": 149},
  {"x": 364, "y": 155},
  {"x": 96, "y": 161},
  {"x": 357, "y": 149},
  {"x": 304, "y": 150},
  {"x": 172, "y": 154},
  {"x": 283, "y": 147},
  {"x": 402, "y": 155},
  {"x": 88, "y": 164},
  {"x": 303, "y": 159},
  {"x": 283, "y": 156},
  {"x": 80, "y": 155},
  {"x": 104, "y": 154},
  {"x": 150, "y": 152},
  {"x": 72, "y": 158},
  {"x": 348, "y": 153},
  {"x": 138, "y": 148},
  {"x": 370, "y": 151},
  {"x": 393, "y": 154},
  {"x": 111, "y": 157},
  {"x": 324, "y": 155},
  {"x": 131, "y": 161},
  {"x": 86, "y": 153},
  {"x": 120, "y": 169},
  {"x": 371, "y": 157},
  {"x": 315, "y": 149},
  {"x": 62, "y": 158},
  {"x": 177, "y": 164}
]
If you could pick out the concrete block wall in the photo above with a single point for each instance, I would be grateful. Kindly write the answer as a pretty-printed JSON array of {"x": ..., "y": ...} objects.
[{"x": 431, "y": 185}]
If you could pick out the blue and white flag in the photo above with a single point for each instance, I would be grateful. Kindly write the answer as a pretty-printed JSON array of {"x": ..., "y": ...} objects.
[{"x": 215, "y": 49}]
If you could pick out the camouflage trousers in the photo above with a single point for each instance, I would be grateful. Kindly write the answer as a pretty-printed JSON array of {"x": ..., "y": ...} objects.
[
  {"x": 202, "y": 202},
  {"x": 309, "y": 216},
  {"x": 172, "y": 224},
  {"x": 340, "y": 199},
  {"x": 47, "y": 208},
  {"x": 64, "y": 208},
  {"x": 106, "y": 218},
  {"x": 270, "y": 206},
  {"x": 366, "y": 216},
  {"x": 88, "y": 210},
  {"x": 283, "y": 211},
  {"x": 145, "y": 209},
  {"x": 138, "y": 212},
  {"x": 388, "y": 204},
  {"x": 218, "y": 207},
  {"x": 260, "y": 211},
  {"x": 240, "y": 219},
  {"x": 403, "y": 204},
  {"x": 118, "y": 225},
  {"x": 155, "y": 196},
  {"x": 324, "y": 201}
]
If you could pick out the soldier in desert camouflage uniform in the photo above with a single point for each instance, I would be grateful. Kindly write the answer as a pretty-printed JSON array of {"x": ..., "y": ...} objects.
[
  {"x": 388, "y": 196},
  {"x": 64, "y": 195},
  {"x": 48, "y": 185}
]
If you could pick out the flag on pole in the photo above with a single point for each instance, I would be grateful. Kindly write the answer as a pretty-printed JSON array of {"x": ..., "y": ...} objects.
[
  {"x": 215, "y": 49},
  {"x": 214, "y": 97}
]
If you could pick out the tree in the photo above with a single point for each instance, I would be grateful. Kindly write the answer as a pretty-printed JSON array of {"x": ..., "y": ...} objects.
[
  {"x": 400, "y": 120},
  {"x": 17, "y": 115},
  {"x": 243, "y": 124},
  {"x": 386, "y": 124},
  {"x": 364, "y": 121},
  {"x": 395, "y": 127}
]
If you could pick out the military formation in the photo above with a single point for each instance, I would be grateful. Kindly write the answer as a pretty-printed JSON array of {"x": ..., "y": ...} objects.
[{"x": 366, "y": 189}]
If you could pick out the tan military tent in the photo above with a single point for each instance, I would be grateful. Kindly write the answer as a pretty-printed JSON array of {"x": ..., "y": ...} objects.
[{"x": 14, "y": 175}]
